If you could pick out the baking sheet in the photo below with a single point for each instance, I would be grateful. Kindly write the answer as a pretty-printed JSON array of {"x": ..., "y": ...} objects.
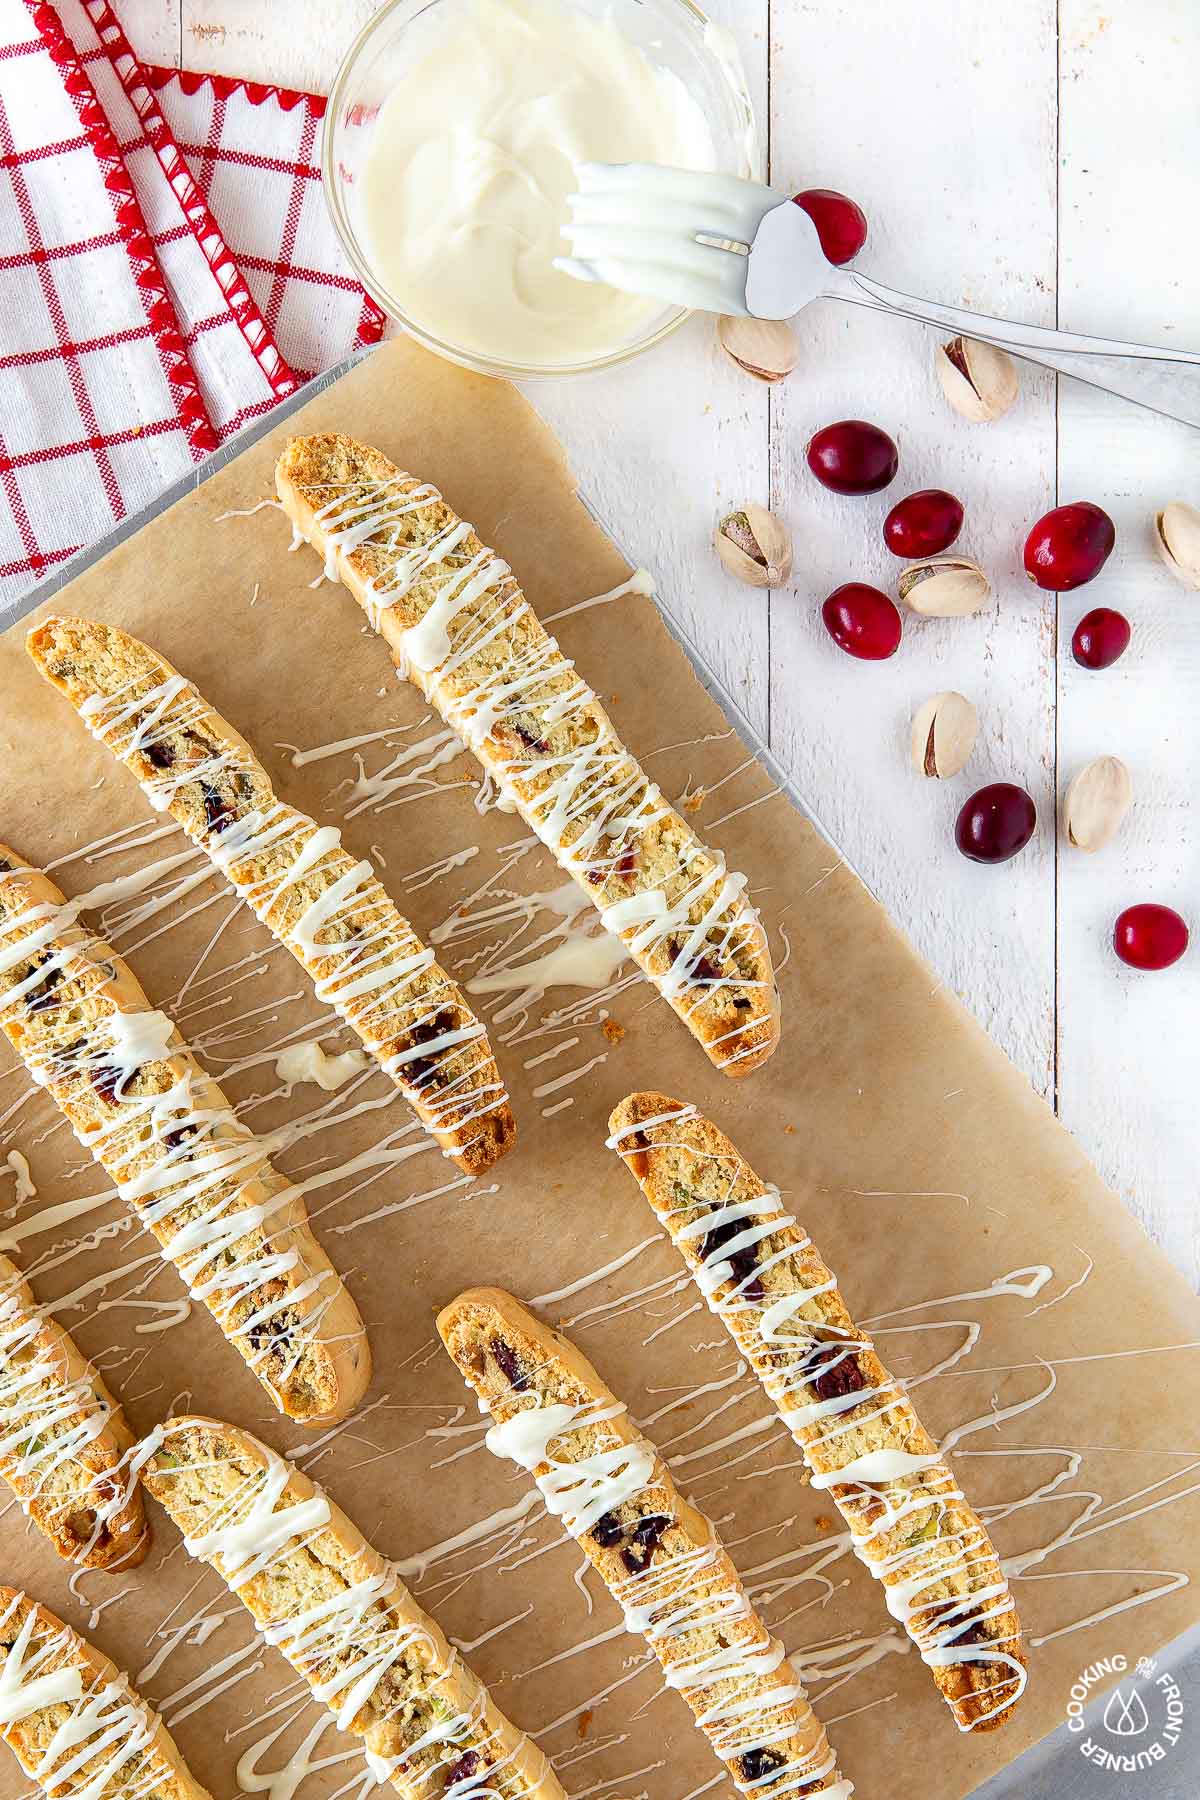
[{"x": 921, "y": 1162}]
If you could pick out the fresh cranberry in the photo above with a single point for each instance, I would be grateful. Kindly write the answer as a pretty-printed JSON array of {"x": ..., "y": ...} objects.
[
  {"x": 841, "y": 223},
  {"x": 1101, "y": 636},
  {"x": 1149, "y": 936},
  {"x": 853, "y": 457},
  {"x": 862, "y": 621},
  {"x": 1069, "y": 546},
  {"x": 995, "y": 823},
  {"x": 923, "y": 524}
]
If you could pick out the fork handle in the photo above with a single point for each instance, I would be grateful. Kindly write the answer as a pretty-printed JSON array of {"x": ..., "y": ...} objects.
[{"x": 1166, "y": 381}]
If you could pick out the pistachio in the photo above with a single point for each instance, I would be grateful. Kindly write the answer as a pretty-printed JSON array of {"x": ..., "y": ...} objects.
[
  {"x": 943, "y": 735},
  {"x": 1177, "y": 535},
  {"x": 768, "y": 349},
  {"x": 1096, "y": 802},
  {"x": 979, "y": 380},
  {"x": 944, "y": 587},
  {"x": 755, "y": 546}
]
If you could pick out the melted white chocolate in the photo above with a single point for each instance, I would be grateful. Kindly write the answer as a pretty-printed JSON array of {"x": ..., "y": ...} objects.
[{"x": 472, "y": 158}]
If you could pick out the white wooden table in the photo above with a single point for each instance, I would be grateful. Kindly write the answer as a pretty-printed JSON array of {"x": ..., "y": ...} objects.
[{"x": 1040, "y": 158}]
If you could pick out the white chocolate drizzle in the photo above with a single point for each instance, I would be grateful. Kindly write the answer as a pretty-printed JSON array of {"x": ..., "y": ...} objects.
[
  {"x": 876, "y": 1490},
  {"x": 348, "y": 1644},
  {"x": 680, "y": 1601},
  {"x": 447, "y": 1071},
  {"x": 104, "y": 1745},
  {"x": 590, "y": 804}
]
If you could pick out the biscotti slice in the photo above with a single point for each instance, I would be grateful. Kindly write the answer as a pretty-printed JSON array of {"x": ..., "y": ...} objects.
[
  {"x": 138, "y": 1100},
  {"x": 72, "y": 1719},
  {"x": 63, "y": 1438},
  {"x": 459, "y": 626},
  {"x": 329, "y": 910},
  {"x": 340, "y": 1614},
  {"x": 660, "y": 1559},
  {"x": 858, "y": 1430}
]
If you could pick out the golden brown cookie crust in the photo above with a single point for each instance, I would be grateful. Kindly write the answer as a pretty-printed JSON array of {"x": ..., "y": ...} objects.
[
  {"x": 685, "y": 1167},
  {"x": 729, "y": 1001}
]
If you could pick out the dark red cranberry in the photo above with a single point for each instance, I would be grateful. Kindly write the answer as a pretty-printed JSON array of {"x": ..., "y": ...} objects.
[
  {"x": 161, "y": 755},
  {"x": 466, "y": 1766},
  {"x": 608, "y": 1530},
  {"x": 1100, "y": 637},
  {"x": 759, "y": 1762},
  {"x": 106, "y": 1080},
  {"x": 841, "y": 222},
  {"x": 995, "y": 823},
  {"x": 217, "y": 814},
  {"x": 862, "y": 621},
  {"x": 42, "y": 996},
  {"x": 1150, "y": 936},
  {"x": 1069, "y": 546},
  {"x": 741, "y": 1263},
  {"x": 923, "y": 524},
  {"x": 844, "y": 1377},
  {"x": 644, "y": 1539},
  {"x": 510, "y": 1365},
  {"x": 853, "y": 457}
]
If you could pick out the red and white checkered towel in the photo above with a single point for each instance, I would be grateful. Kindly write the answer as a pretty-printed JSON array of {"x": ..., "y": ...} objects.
[{"x": 168, "y": 272}]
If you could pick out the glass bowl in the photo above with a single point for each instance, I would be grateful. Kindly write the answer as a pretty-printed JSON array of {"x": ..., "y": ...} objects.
[{"x": 674, "y": 34}]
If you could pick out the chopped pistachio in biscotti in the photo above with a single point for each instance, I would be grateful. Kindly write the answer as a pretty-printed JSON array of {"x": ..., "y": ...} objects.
[
  {"x": 168, "y": 1138},
  {"x": 63, "y": 1438},
  {"x": 858, "y": 1430},
  {"x": 659, "y": 1557},
  {"x": 72, "y": 1719},
  {"x": 460, "y": 627},
  {"x": 340, "y": 1615},
  {"x": 329, "y": 910}
]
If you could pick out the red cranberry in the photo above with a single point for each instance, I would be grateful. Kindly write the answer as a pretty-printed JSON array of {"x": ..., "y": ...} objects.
[
  {"x": 1150, "y": 937},
  {"x": 841, "y": 223},
  {"x": 923, "y": 524},
  {"x": 1101, "y": 636},
  {"x": 862, "y": 621},
  {"x": 1069, "y": 546},
  {"x": 853, "y": 457},
  {"x": 995, "y": 823}
]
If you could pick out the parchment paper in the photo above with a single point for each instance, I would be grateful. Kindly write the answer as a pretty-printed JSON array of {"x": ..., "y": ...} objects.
[{"x": 921, "y": 1162}]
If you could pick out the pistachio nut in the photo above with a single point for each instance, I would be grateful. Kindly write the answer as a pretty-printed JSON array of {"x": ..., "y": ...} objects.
[
  {"x": 755, "y": 546},
  {"x": 768, "y": 349},
  {"x": 1177, "y": 535},
  {"x": 1096, "y": 802},
  {"x": 943, "y": 735},
  {"x": 979, "y": 380},
  {"x": 944, "y": 587}
]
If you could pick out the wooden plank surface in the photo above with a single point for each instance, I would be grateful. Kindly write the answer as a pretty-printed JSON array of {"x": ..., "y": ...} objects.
[{"x": 1040, "y": 159}]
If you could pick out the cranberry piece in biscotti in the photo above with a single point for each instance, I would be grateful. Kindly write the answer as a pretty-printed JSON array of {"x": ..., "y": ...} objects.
[
  {"x": 608, "y": 1530},
  {"x": 510, "y": 1365},
  {"x": 643, "y": 1542},
  {"x": 741, "y": 1262},
  {"x": 845, "y": 1377}
]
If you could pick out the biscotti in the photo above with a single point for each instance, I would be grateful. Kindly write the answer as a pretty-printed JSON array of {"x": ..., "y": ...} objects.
[
  {"x": 167, "y": 1136},
  {"x": 341, "y": 1616},
  {"x": 856, "y": 1426},
  {"x": 459, "y": 626},
  {"x": 660, "y": 1558},
  {"x": 72, "y": 1719},
  {"x": 328, "y": 910},
  {"x": 63, "y": 1438}
]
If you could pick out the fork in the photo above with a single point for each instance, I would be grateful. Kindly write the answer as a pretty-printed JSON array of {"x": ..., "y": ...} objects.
[{"x": 719, "y": 244}]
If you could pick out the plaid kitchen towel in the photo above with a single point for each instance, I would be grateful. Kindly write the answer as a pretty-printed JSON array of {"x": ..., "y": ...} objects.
[{"x": 168, "y": 272}]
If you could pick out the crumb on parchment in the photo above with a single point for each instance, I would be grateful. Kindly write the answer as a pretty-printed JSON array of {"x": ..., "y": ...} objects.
[{"x": 612, "y": 1031}]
